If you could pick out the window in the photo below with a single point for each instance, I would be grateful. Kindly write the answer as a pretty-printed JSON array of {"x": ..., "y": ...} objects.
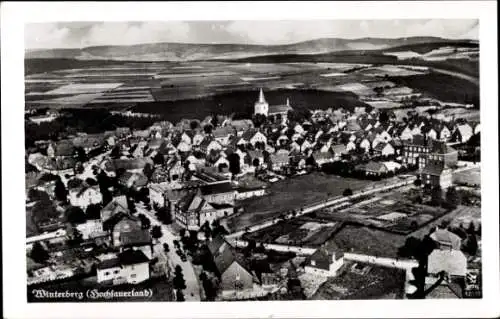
[
  {"x": 133, "y": 275},
  {"x": 313, "y": 262},
  {"x": 116, "y": 271},
  {"x": 106, "y": 273}
]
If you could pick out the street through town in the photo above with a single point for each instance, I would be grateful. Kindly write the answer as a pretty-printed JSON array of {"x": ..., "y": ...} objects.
[{"x": 192, "y": 291}]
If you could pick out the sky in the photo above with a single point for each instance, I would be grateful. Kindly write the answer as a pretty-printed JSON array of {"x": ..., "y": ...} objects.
[{"x": 84, "y": 34}]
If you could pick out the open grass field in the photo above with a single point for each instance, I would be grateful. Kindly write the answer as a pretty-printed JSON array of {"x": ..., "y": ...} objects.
[
  {"x": 443, "y": 87},
  {"x": 469, "y": 177},
  {"x": 291, "y": 194}
]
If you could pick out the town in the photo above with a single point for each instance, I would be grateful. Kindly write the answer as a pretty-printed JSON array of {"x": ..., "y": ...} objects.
[{"x": 290, "y": 204}]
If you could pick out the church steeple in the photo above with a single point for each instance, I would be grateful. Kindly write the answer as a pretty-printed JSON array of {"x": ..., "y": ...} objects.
[
  {"x": 261, "y": 106},
  {"x": 261, "y": 96}
]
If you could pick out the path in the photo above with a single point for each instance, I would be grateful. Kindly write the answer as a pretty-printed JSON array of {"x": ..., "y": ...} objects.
[{"x": 192, "y": 291}]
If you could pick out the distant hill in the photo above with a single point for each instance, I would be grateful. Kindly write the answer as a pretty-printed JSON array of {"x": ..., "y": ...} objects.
[{"x": 192, "y": 51}]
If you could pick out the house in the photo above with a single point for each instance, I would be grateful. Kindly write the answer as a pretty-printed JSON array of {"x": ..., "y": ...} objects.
[
  {"x": 85, "y": 196},
  {"x": 192, "y": 211},
  {"x": 324, "y": 262},
  {"x": 130, "y": 266},
  {"x": 338, "y": 150},
  {"x": 209, "y": 144},
  {"x": 436, "y": 174},
  {"x": 252, "y": 136},
  {"x": 133, "y": 179},
  {"x": 375, "y": 168},
  {"x": 462, "y": 133},
  {"x": 249, "y": 192},
  {"x": 157, "y": 193},
  {"x": 127, "y": 232},
  {"x": 129, "y": 164},
  {"x": 115, "y": 206},
  {"x": 323, "y": 157},
  {"x": 365, "y": 144},
  {"x": 442, "y": 153},
  {"x": 234, "y": 272},
  {"x": 241, "y": 126},
  {"x": 350, "y": 146},
  {"x": 175, "y": 169},
  {"x": 415, "y": 151},
  {"x": 223, "y": 134},
  {"x": 255, "y": 157},
  {"x": 89, "y": 142},
  {"x": 61, "y": 149},
  {"x": 384, "y": 149},
  {"x": 279, "y": 160},
  {"x": 218, "y": 193},
  {"x": 447, "y": 256}
]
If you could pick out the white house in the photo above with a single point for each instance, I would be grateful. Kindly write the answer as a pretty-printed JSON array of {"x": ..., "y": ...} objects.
[
  {"x": 83, "y": 197},
  {"x": 130, "y": 266},
  {"x": 325, "y": 263}
]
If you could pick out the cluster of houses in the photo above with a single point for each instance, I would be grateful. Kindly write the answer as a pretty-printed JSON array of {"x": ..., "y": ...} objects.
[
  {"x": 114, "y": 244},
  {"x": 189, "y": 170}
]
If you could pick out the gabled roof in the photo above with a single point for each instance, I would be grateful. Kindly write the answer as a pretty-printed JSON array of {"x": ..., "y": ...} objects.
[
  {"x": 134, "y": 238},
  {"x": 216, "y": 189},
  {"x": 132, "y": 257},
  {"x": 118, "y": 204}
]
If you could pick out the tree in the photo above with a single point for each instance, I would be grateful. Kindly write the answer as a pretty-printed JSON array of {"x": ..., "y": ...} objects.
[
  {"x": 208, "y": 129},
  {"x": 471, "y": 229},
  {"x": 255, "y": 162},
  {"x": 179, "y": 296},
  {"x": 194, "y": 125},
  {"x": 93, "y": 211},
  {"x": 470, "y": 245},
  {"x": 38, "y": 253},
  {"x": 417, "y": 182},
  {"x": 436, "y": 196},
  {"x": 166, "y": 248},
  {"x": 158, "y": 159},
  {"x": 75, "y": 215},
  {"x": 148, "y": 170},
  {"x": 347, "y": 192},
  {"x": 60, "y": 191},
  {"x": 206, "y": 229},
  {"x": 131, "y": 205},
  {"x": 81, "y": 156},
  {"x": 452, "y": 197},
  {"x": 156, "y": 232},
  {"x": 234, "y": 163},
  {"x": 145, "y": 222},
  {"x": 115, "y": 152},
  {"x": 383, "y": 117}
]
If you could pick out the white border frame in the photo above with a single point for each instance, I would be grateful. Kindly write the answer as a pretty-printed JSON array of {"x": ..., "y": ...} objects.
[{"x": 13, "y": 17}]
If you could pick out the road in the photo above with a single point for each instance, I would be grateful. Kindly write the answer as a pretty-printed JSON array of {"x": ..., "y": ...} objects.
[
  {"x": 192, "y": 291},
  {"x": 458, "y": 75}
]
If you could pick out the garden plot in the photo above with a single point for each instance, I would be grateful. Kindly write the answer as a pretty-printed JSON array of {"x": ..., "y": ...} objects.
[
  {"x": 354, "y": 87},
  {"x": 80, "y": 88}
]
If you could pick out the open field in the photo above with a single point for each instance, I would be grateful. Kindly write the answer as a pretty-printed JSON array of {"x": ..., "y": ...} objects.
[
  {"x": 442, "y": 87},
  {"x": 470, "y": 177},
  {"x": 294, "y": 193}
]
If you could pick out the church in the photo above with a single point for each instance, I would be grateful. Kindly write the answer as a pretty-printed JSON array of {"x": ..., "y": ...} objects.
[{"x": 262, "y": 107}]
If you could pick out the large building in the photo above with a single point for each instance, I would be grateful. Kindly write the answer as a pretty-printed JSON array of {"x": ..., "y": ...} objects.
[{"x": 262, "y": 107}]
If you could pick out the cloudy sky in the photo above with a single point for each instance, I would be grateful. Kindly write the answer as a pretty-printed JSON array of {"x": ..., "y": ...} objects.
[{"x": 83, "y": 34}]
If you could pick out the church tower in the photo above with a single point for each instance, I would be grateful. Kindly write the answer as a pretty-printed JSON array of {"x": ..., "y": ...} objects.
[{"x": 261, "y": 106}]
